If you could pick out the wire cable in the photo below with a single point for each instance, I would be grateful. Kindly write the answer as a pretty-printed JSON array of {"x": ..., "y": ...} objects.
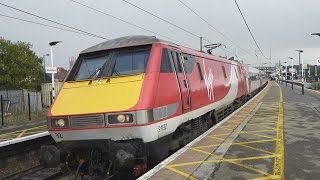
[
  {"x": 214, "y": 28},
  {"x": 46, "y": 25},
  {"x": 46, "y": 19},
  {"x": 168, "y": 22},
  {"x": 122, "y": 20},
  {"x": 249, "y": 29},
  {"x": 158, "y": 17}
]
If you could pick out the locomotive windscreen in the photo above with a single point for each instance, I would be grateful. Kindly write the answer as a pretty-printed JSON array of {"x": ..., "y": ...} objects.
[{"x": 111, "y": 63}]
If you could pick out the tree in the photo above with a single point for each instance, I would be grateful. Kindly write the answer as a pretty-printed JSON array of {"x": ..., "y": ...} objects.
[{"x": 20, "y": 67}]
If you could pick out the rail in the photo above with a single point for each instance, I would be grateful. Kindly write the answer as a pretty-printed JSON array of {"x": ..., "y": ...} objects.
[{"x": 302, "y": 85}]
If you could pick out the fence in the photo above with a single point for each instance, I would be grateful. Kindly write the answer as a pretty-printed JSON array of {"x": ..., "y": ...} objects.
[
  {"x": 47, "y": 94},
  {"x": 20, "y": 106}
]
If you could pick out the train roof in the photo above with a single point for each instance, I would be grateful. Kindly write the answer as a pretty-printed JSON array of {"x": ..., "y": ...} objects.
[
  {"x": 126, "y": 41},
  {"x": 138, "y": 40}
]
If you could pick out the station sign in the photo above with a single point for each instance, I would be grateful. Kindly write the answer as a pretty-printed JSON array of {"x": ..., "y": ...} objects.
[
  {"x": 51, "y": 69},
  {"x": 318, "y": 61},
  {"x": 305, "y": 66}
]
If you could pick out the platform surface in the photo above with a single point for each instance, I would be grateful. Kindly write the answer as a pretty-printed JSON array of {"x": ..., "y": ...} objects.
[
  {"x": 17, "y": 131},
  {"x": 274, "y": 136}
]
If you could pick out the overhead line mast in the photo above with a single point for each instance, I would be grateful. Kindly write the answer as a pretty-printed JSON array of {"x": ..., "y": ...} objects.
[
  {"x": 168, "y": 22},
  {"x": 214, "y": 28}
]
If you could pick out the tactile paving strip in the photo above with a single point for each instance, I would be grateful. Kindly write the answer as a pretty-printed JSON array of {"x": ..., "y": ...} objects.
[{"x": 249, "y": 145}]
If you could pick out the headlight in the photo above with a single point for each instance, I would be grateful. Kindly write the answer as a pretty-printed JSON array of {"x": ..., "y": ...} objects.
[
  {"x": 120, "y": 118},
  {"x": 59, "y": 123}
]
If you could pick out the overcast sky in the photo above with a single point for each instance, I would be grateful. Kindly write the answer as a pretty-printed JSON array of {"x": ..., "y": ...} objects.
[{"x": 279, "y": 26}]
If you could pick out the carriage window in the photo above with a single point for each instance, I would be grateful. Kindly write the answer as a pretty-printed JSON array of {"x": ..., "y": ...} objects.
[
  {"x": 165, "y": 62},
  {"x": 176, "y": 60},
  {"x": 189, "y": 62},
  {"x": 224, "y": 72}
]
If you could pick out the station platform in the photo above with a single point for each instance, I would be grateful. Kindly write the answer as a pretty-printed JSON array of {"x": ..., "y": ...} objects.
[
  {"x": 273, "y": 136},
  {"x": 17, "y": 131}
]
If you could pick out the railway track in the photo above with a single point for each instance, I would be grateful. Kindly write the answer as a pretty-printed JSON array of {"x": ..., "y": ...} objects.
[{"x": 36, "y": 173}]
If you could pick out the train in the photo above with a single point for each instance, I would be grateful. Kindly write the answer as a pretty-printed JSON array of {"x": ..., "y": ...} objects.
[{"x": 129, "y": 102}]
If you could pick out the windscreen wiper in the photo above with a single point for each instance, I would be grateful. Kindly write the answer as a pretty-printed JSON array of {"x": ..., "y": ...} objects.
[
  {"x": 95, "y": 73},
  {"x": 107, "y": 66}
]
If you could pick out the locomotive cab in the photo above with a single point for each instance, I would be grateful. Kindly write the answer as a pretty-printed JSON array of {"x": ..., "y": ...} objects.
[{"x": 101, "y": 93}]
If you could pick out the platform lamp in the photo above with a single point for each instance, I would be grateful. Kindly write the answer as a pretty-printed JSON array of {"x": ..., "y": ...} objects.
[
  {"x": 291, "y": 68},
  {"x": 53, "y": 43},
  {"x": 286, "y": 69},
  {"x": 300, "y": 68},
  {"x": 316, "y": 34},
  {"x": 315, "y": 67}
]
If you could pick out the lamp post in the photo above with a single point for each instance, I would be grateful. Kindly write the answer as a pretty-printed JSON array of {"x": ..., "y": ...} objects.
[
  {"x": 291, "y": 68},
  {"x": 53, "y": 43},
  {"x": 316, "y": 34},
  {"x": 286, "y": 70},
  {"x": 315, "y": 67},
  {"x": 300, "y": 68}
]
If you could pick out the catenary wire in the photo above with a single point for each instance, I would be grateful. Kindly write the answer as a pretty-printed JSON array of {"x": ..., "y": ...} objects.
[
  {"x": 158, "y": 17},
  {"x": 214, "y": 28},
  {"x": 249, "y": 29},
  {"x": 122, "y": 20},
  {"x": 46, "y": 19},
  {"x": 168, "y": 22},
  {"x": 46, "y": 25}
]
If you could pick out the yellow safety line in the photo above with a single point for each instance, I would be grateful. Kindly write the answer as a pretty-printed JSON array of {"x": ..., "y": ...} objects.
[
  {"x": 269, "y": 130},
  {"x": 233, "y": 162},
  {"x": 21, "y": 134},
  {"x": 14, "y": 132},
  {"x": 257, "y": 135},
  {"x": 278, "y": 166},
  {"x": 257, "y": 149},
  {"x": 232, "y": 126},
  {"x": 218, "y": 160},
  {"x": 253, "y": 158},
  {"x": 238, "y": 143},
  {"x": 225, "y": 128},
  {"x": 194, "y": 163},
  {"x": 246, "y": 146},
  {"x": 262, "y": 123},
  {"x": 266, "y": 178},
  {"x": 241, "y": 132},
  {"x": 234, "y": 121},
  {"x": 265, "y": 127},
  {"x": 181, "y": 173}
]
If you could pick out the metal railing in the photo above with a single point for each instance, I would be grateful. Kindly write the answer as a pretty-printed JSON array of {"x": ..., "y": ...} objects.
[
  {"x": 302, "y": 85},
  {"x": 21, "y": 107}
]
